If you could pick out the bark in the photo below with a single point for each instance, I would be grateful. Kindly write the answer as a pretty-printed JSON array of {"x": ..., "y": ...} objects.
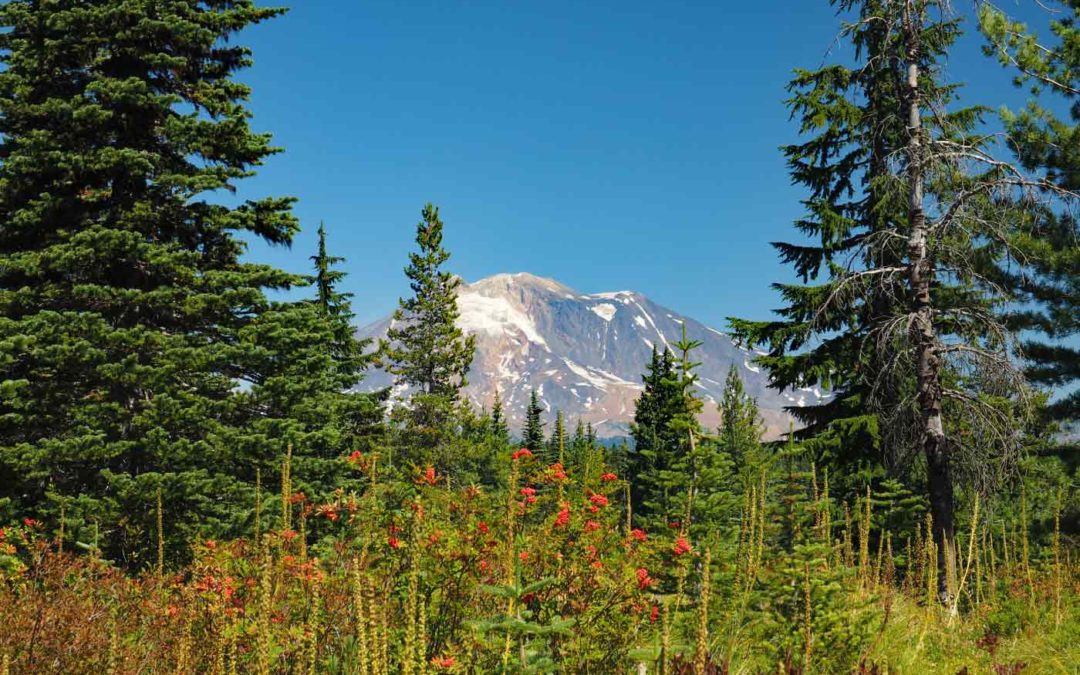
[{"x": 920, "y": 278}]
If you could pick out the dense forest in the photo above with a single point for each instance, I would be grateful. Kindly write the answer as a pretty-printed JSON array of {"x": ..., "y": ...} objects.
[{"x": 193, "y": 479}]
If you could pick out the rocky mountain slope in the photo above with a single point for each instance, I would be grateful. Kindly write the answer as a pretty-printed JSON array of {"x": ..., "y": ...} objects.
[{"x": 584, "y": 354}]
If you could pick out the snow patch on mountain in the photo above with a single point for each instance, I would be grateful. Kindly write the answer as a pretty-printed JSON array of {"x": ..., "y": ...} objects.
[{"x": 605, "y": 310}]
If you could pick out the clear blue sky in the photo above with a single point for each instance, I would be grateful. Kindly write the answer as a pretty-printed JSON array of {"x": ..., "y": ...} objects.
[{"x": 608, "y": 144}]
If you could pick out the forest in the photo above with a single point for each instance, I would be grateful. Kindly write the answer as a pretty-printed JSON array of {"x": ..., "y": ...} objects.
[{"x": 193, "y": 478}]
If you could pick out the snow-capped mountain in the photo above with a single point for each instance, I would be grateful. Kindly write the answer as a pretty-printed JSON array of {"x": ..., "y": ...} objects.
[{"x": 585, "y": 354}]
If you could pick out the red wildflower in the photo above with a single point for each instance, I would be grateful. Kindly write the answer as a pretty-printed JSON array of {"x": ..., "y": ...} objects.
[
  {"x": 638, "y": 533},
  {"x": 643, "y": 578},
  {"x": 524, "y": 555},
  {"x": 591, "y": 525},
  {"x": 528, "y": 491},
  {"x": 558, "y": 472},
  {"x": 30, "y": 522},
  {"x": 330, "y": 511},
  {"x": 598, "y": 500},
  {"x": 654, "y": 614},
  {"x": 483, "y": 527},
  {"x": 472, "y": 492},
  {"x": 518, "y": 454},
  {"x": 289, "y": 535},
  {"x": 563, "y": 516},
  {"x": 211, "y": 544},
  {"x": 594, "y": 509},
  {"x": 394, "y": 542},
  {"x": 355, "y": 457},
  {"x": 681, "y": 546},
  {"x": 607, "y": 477},
  {"x": 298, "y": 498},
  {"x": 428, "y": 477},
  {"x": 596, "y": 565},
  {"x": 445, "y": 662}
]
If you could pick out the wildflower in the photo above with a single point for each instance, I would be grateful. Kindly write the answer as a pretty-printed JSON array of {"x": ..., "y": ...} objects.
[
  {"x": 558, "y": 472},
  {"x": 172, "y": 610},
  {"x": 591, "y": 526},
  {"x": 681, "y": 546},
  {"x": 643, "y": 578},
  {"x": 524, "y": 555},
  {"x": 289, "y": 535},
  {"x": 674, "y": 524},
  {"x": 654, "y": 614},
  {"x": 608, "y": 477},
  {"x": 444, "y": 662},
  {"x": 428, "y": 477},
  {"x": 330, "y": 511},
  {"x": 30, "y": 522},
  {"x": 483, "y": 527},
  {"x": 355, "y": 457},
  {"x": 597, "y": 565},
  {"x": 472, "y": 492},
  {"x": 484, "y": 565},
  {"x": 598, "y": 500},
  {"x": 298, "y": 498},
  {"x": 527, "y": 491},
  {"x": 563, "y": 516},
  {"x": 394, "y": 542},
  {"x": 518, "y": 454},
  {"x": 638, "y": 533}
]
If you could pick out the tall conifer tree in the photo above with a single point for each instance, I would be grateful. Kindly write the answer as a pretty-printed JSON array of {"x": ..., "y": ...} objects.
[
  {"x": 122, "y": 294},
  {"x": 425, "y": 349},
  {"x": 532, "y": 436}
]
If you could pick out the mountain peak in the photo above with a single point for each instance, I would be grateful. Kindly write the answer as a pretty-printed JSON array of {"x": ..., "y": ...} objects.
[
  {"x": 506, "y": 281},
  {"x": 585, "y": 354}
]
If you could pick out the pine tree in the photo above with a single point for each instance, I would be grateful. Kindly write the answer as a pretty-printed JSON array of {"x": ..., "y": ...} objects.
[
  {"x": 532, "y": 436},
  {"x": 122, "y": 292},
  {"x": 424, "y": 348}
]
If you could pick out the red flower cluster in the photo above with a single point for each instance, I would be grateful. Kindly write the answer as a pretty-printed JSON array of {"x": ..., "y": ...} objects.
[
  {"x": 30, "y": 522},
  {"x": 393, "y": 542},
  {"x": 638, "y": 534},
  {"x": 524, "y": 555},
  {"x": 563, "y": 516},
  {"x": 598, "y": 500},
  {"x": 591, "y": 526},
  {"x": 444, "y": 662},
  {"x": 681, "y": 546},
  {"x": 529, "y": 494},
  {"x": 355, "y": 457},
  {"x": 428, "y": 477},
  {"x": 557, "y": 471},
  {"x": 518, "y": 454},
  {"x": 608, "y": 477},
  {"x": 483, "y": 527},
  {"x": 643, "y": 578},
  {"x": 328, "y": 510}
]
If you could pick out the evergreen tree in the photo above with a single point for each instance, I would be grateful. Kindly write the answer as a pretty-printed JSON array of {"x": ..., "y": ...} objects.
[
  {"x": 657, "y": 441},
  {"x": 739, "y": 435},
  {"x": 123, "y": 299},
  {"x": 532, "y": 436},
  {"x": 425, "y": 349},
  {"x": 500, "y": 431},
  {"x": 908, "y": 206},
  {"x": 306, "y": 368},
  {"x": 1048, "y": 284},
  {"x": 556, "y": 447}
]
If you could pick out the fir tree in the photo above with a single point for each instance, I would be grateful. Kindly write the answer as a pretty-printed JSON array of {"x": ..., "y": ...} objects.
[
  {"x": 739, "y": 435},
  {"x": 904, "y": 321},
  {"x": 425, "y": 349},
  {"x": 556, "y": 447},
  {"x": 532, "y": 436},
  {"x": 123, "y": 298},
  {"x": 657, "y": 441},
  {"x": 500, "y": 431}
]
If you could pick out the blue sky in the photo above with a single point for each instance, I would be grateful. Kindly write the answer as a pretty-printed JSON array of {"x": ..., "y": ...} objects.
[{"x": 608, "y": 144}]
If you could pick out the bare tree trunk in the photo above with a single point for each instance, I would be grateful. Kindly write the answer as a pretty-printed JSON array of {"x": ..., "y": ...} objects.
[{"x": 920, "y": 277}]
